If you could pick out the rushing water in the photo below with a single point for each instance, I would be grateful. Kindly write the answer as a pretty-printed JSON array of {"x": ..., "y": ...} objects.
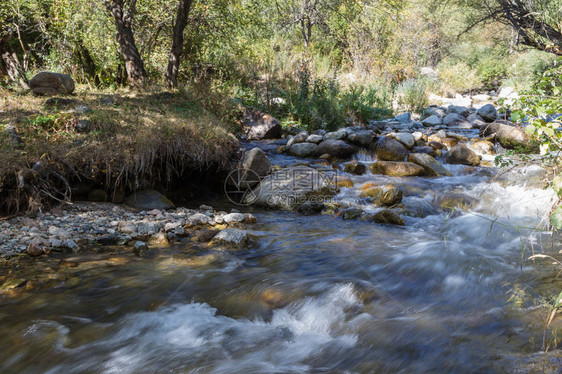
[{"x": 317, "y": 294}]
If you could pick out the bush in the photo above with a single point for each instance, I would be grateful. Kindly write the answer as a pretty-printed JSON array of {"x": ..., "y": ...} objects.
[
  {"x": 412, "y": 94},
  {"x": 457, "y": 78}
]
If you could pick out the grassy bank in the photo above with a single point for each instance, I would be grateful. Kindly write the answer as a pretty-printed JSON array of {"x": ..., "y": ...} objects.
[{"x": 116, "y": 141}]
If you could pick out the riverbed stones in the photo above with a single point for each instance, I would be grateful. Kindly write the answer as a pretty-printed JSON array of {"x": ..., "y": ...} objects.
[
  {"x": 431, "y": 165},
  {"x": 336, "y": 148},
  {"x": 49, "y": 83},
  {"x": 390, "y": 197},
  {"x": 303, "y": 150},
  {"x": 355, "y": 167},
  {"x": 404, "y": 117},
  {"x": 232, "y": 238},
  {"x": 390, "y": 149},
  {"x": 510, "y": 136},
  {"x": 147, "y": 200},
  {"x": 457, "y": 109},
  {"x": 159, "y": 239},
  {"x": 476, "y": 121},
  {"x": 461, "y": 154},
  {"x": 488, "y": 112},
  {"x": 397, "y": 169}
]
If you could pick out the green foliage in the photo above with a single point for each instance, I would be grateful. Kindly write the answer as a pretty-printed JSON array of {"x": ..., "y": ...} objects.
[{"x": 413, "y": 94}]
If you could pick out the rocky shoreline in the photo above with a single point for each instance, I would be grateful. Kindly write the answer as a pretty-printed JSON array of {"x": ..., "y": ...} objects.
[{"x": 78, "y": 226}]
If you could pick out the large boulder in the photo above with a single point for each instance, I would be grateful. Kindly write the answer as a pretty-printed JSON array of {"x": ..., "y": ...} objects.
[
  {"x": 259, "y": 125},
  {"x": 289, "y": 188},
  {"x": 460, "y": 154},
  {"x": 390, "y": 149},
  {"x": 49, "y": 83},
  {"x": 397, "y": 169},
  {"x": 488, "y": 112},
  {"x": 253, "y": 166},
  {"x": 510, "y": 136},
  {"x": 336, "y": 148},
  {"x": 148, "y": 200},
  {"x": 303, "y": 149},
  {"x": 456, "y": 120},
  {"x": 362, "y": 138},
  {"x": 431, "y": 165}
]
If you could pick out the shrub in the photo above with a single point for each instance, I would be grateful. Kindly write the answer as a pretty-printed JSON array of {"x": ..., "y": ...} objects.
[
  {"x": 412, "y": 94},
  {"x": 457, "y": 78}
]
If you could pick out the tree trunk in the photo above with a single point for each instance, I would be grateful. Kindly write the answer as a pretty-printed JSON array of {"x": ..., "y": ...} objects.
[
  {"x": 177, "y": 43},
  {"x": 12, "y": 63},
  {"x": 136, "y": 74},
  {"x": 87, "y": 62}
]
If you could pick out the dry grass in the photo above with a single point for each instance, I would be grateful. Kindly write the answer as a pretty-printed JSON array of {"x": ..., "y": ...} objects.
[{"x": 136, "y": 140}]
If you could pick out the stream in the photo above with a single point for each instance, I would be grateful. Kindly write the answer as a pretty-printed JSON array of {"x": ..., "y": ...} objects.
[{"x": 446, "y": 293}]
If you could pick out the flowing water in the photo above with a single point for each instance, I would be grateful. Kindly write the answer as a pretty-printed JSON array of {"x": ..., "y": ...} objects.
[{"x": 447, "y": 293}]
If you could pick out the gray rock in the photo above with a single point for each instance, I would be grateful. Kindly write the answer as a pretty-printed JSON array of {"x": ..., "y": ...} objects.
[
  {"x": 140, "y": 247},
  {"x": 435, "y": 111},
  {"x": 456, "y": 120},
  {"x": 303, "y": 150},
  {"x": 198, "y": 219},
  {"x": 147, "y": 200},
  {"x": 48, "y": 83},
  {"x": 432, "y": 121},
  {"x": 460, "y": 110},
  {"x": 488, "y": 112},
  {"x": 336, "y": 148},
  {"x": 405, "y": 138},
  {"x": 476, "y": 121},
  {"x": 315, "y": 138},
  {"x": 289, "y": 188},
  {"x": 338, "y": 135},
  {"x": 234, "y": 217},
  {"x": 404, "y": 117},
  {"x": 362, "y": 138},
  {"x": 234, "y": 238}
]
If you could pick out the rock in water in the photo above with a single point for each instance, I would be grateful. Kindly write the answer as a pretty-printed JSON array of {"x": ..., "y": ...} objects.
[
  {"x": 456, "y": 120},
  {"x": 355, "y": 167},
  {"x": 510, "y": 136},
  {"x": 48, "y": 83},
  {"x": 431, "y": 165},
  {"x": 262, "y": 126},
  {"x": 336, "y": 148},
  {"x": 397, "y": 169},
  {"x": 432, "y": 121},
  {"x": 460, "y": 154},
  {"x": 390, "y": 149},
  {"x": 147, "y": 200},
  {"x": 388, "y": 216},
  {"x": 289, "y": 188},
  {"x": 488, "y": 112},
  {"x": 253, "y": 166},
  {"x": 234, "y": 238},
  {"x": 303, "y": 150}
]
